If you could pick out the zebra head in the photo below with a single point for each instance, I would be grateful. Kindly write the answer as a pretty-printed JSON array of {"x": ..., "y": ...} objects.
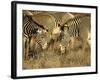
[
  {"x": 72, "y": 33},
  {"x": 43, "y": 37}
]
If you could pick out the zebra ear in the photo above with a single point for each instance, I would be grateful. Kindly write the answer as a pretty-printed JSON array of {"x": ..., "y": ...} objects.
[{"x": 28, "y": 13}]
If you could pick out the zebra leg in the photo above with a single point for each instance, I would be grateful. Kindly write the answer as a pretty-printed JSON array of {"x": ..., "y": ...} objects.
[
  {"x": 27, "y": 49},
  {"x": 24, "y": 48}
]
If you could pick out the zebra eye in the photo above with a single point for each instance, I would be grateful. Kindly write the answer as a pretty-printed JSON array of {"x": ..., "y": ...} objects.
[{"x": 47, "y": 30}]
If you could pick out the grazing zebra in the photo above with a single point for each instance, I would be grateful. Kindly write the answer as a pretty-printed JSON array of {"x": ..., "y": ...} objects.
[
  {"x": 77, "y": 29},
  {"x": 57, "y": 32},
  {"x": 35, "y": 37},
  {"x": 39, "y": 44},
  {"x": 73, "y": 27},
  {"x": 30, "y": 31}
]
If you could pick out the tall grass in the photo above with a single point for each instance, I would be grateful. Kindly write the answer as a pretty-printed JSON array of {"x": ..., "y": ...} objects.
[{"x": 54, "y": 59}]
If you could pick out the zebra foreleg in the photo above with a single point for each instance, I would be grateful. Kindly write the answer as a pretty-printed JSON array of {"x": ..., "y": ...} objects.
[{"x": 27, "y": 49}]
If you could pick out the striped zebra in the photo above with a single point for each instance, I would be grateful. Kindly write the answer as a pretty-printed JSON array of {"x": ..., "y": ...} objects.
[
  {"x": 61, "y": 17},
  {"x": 29, "y": 27},
  {"x": 39, "y": 44},
  {"x": 30, "y": 31},
  {"x": 73, "y": 26},
  {"x": 58, "y": 31},
  {"x": 34, "y": 37},
  {"x": 77, "y": 29}
]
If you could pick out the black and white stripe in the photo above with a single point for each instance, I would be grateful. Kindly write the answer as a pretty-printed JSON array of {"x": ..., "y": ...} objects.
[
  {"x": 29, "y": 27},
  {"x": 73, "y": 26}
]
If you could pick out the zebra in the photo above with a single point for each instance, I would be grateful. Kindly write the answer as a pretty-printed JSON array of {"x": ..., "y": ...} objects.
[
  {"x": 76, "y": 30},
  {"x": 29, "y": 28},
  {"x": 57, "y": 32},
  {"x": 73, "y": 27},
  {"x": 30, "y": 31},
  {"x": 35, "y": 37}
]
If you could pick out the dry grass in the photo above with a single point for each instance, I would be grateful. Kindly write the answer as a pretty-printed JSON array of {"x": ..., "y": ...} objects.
[{"x": 54, "y": 59}]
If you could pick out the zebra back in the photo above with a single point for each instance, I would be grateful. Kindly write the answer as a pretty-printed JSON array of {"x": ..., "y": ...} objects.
[
  {"x": 77, "y": 24},
  {"x": 61, "y": 17},
  {"x": 29, "y": 27}
]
